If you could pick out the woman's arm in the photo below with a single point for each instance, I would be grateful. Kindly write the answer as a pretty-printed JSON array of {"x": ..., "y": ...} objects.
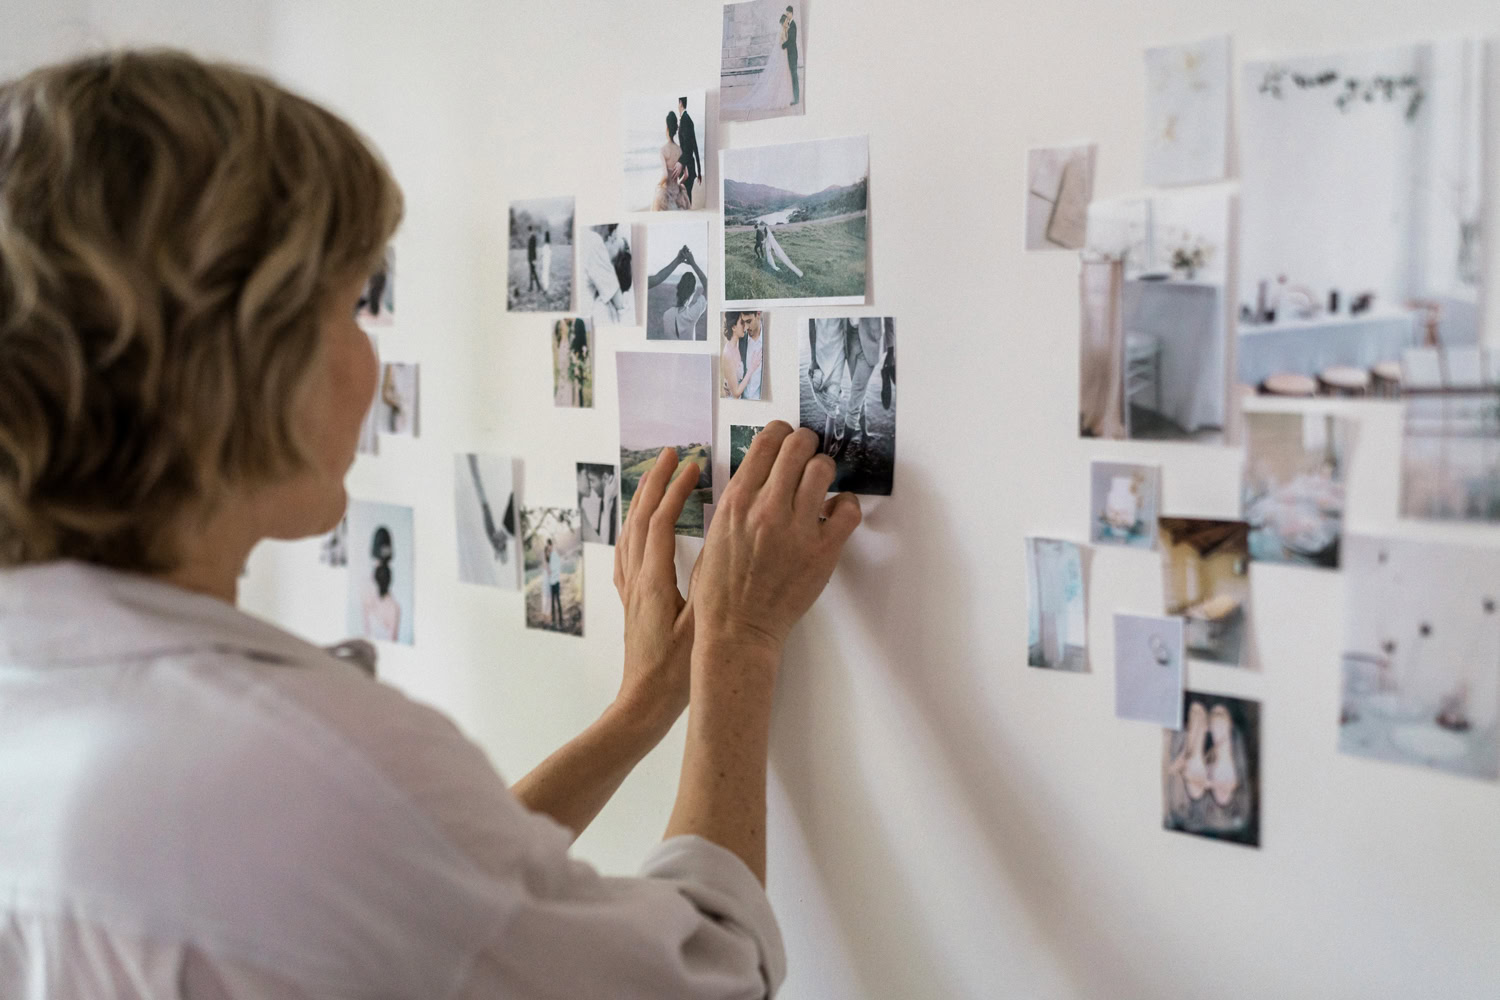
[{"x": 574, "y": 783}]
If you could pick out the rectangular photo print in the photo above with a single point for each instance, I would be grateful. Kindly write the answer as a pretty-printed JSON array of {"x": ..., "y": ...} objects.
[
  {"x": 1450, "y": 456},
  {"x": 1207, "y": 583},
  {"x": 541, "y": 255},
  {"x": 676, "y": 283},
  {"x": 667, "y": 400},
  {"x": 1295, "y": 464},
  {"x": 484, "y": 502},
  {"x": 848, "y": 396},
  {"x": 573, "y": 363},
  {"x": 1187, "y": 112},
  {"x": 742, "y": 355},
  {"x": 598, "y": 502},
  {"x": 554, "y": 569},
  {"x": 1422, "y": 655},
  {"x": 1149, "y": 675},
  {"x": 606, "y": 275},
  {"x": 1362, "y": 175},
  {"x": 1124, "y": 500},
  {"x": 763, "y": 60},
  {"x": 666, "y": 144},
  {"x": 380, "y": 593},
  {"x": 796, "y": 223},
  {"x": 398, "y": 405},
  {"x": 1059, "y": 187},
  {"x": 1155, "y": 318},
  {"x": 377, "y": 303},
  {"x": 740, "y": 437},
  {"x": 1210, "y": 770},
  {"x": 1058, "y": 627}
]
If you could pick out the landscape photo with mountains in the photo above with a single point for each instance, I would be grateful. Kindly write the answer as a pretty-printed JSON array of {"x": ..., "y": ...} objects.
[{"x": 796, "y": 222}]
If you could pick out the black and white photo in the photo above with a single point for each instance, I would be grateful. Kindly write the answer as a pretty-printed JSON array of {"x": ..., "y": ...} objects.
[
  {"x": 848, "y": 396},
  {"x": 598, "y": 502},
  {"x": 541, "y": 255}
]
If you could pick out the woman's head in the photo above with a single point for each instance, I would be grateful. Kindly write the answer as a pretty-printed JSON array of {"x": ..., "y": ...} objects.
[
  {"x": 734, "y": 325},
  {"x": 671, "y": 125},
  {"x": 182, "y": 249},
  {"x": 685, "y": 288}
]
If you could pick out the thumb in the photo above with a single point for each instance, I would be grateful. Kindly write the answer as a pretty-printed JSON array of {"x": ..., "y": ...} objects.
[{"x": 841, "y": 515}]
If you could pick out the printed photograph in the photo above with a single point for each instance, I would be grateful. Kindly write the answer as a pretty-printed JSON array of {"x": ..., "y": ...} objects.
[
  {"x": 1362, "y": 175},
  {"x": 1187, "y": 112},
  {"x": 763, "y": 61},
  {"x": 398, "y": 411},
  {"x": 676, "y": 284},
  {"x": 848, "y": 396},
  {"x": 484, "y": 501},
  {"x": 1450, "y": 456},
  {"x": 742, "y": 357},
  {"x": 1422, "y": 655},
  {"x": 598, "y": 502},
  {"x": 369, "y": 431},
  {"x": 334, "y": 549},
  {"x": 1059, "y": 187},
  {"x": 666, "y": 145},
  {"x": 573, "y": 363},
  {"x": 1210, "y": 770},
  {"x": 606, "y": 275},
  {"x": 1155, "y": 320},
  {"x": 380, "y": 590},
  {"x": 541, "y": 255},
  {"x": 554, "y": 569},
  {"x": 667, "y": 400},
  {"x": 1149, "y": 660},
  {"x": 1206, "y": 579},
  {"x": 740, "y": 437},
  {"x": 796, "y": 223},
  {"x": 377, "y": 303},
  {"x": 1058, "y": 636},
  {"x": 1294, "y": 487},
  {"x": 1124, "y": 503}
]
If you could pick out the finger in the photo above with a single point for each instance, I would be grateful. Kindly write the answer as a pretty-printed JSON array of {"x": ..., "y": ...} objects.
[
  {"x": 796, "y": 450},
  {"x": 813, "y": 490},
  {"x": 756, "y": 466},
  {"x": 620, "y": 565},
  {"x": 661, "y": 538},
  {"x": 841, "y": 515},
  {"x": 647, "y": 498}
]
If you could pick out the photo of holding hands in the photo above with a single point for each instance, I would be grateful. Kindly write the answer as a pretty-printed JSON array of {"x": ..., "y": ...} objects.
[{"x": 676, "y": 283}]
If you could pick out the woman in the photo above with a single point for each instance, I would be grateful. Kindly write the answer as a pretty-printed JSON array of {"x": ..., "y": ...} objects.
[
  {"x": 731, "y": 358},
  {"x": 771, "y": 93},
  {"x": 671, "y": 194},
  {"x": 546, "y": 262},
  {"x": 766, "y": 242},
  {"x": 182, "y": 247},
  {"x": 382, "y": 615}
]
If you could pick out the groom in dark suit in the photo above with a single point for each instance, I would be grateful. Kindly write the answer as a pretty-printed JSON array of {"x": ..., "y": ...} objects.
[
  {"x": 687, "y": 138},
  {"x": 791, "y": 53},
  {"x": 531, "y": 261}
]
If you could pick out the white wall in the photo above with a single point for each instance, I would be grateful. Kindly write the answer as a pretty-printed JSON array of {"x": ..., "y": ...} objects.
[{"x": 945, "y": 822}]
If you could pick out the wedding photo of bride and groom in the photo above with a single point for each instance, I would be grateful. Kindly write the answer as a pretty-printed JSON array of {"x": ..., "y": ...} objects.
[
  {"x": 541, "y": 256},
  {"x": 761, "y": 71},
  {"x": 796, "y": 222},
  {"x": 666, "y": 141}
]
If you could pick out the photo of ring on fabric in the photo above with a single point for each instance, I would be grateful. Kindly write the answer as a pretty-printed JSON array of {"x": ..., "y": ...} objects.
[{"x": 848, "y": 396}]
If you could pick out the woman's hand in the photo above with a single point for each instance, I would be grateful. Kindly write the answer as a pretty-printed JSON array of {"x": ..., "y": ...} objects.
[
  {"x": 775, "y": 540},
  {"x": 658, "y": 621}
]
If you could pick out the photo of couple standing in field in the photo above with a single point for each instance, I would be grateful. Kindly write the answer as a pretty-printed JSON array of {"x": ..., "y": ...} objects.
[{"x": 796, "y": 222}]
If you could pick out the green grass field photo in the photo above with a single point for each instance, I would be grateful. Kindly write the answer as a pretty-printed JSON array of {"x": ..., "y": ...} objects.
[
  {"x": 634, "y": 464},
  {"x": 832, "y": 256}
]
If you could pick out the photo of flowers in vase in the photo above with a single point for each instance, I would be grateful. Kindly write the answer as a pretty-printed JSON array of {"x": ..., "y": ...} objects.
[{"x": 1125, "y": 500}]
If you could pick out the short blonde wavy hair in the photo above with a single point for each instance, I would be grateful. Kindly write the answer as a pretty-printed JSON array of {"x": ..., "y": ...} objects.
[{"x": 170, "y": 231}]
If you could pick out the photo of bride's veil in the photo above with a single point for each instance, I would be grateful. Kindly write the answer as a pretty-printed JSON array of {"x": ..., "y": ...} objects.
[{"x": 755, "y": 78}]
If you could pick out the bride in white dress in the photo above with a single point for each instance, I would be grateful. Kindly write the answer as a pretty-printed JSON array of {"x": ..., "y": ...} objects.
[
  {"x": 547, "y": 262},
  {"x": 770, "y": 249},
  {"x": 772, "y": 90}
]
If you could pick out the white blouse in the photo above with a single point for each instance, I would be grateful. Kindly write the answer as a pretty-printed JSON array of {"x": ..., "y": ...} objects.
[{"x": 194, "y": 803}]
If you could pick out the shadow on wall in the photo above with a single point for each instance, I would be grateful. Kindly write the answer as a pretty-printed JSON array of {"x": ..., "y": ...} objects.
[{"x": 1057, "y": 887}]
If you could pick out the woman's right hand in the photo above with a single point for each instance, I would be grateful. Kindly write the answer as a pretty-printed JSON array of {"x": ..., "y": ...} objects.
[{"x": 775, "y": 539}]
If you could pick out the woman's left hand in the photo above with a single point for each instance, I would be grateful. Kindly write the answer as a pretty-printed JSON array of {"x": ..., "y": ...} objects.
[{"x": 658, "y": 620}]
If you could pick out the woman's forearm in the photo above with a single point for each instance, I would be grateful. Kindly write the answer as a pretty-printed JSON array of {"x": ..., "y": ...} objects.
[
  {"x": 722, "y": 794},
  {"x": 575, "y": 782}
]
